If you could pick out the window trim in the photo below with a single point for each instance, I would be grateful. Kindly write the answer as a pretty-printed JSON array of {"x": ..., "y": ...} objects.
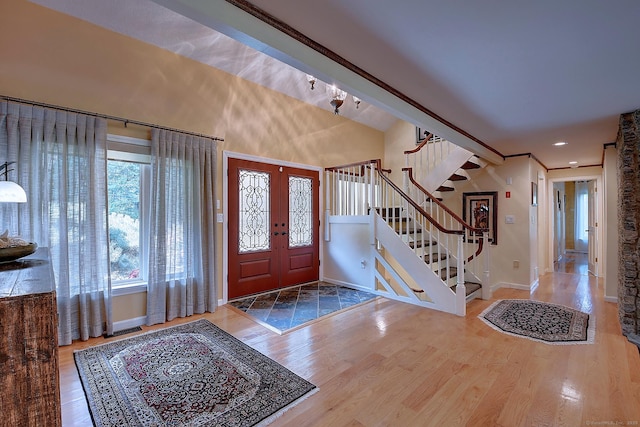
[{"x": 127, "y": 149}]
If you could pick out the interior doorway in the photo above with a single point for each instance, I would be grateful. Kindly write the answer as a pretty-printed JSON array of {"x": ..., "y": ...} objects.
[
  {"x": 273, "y": 227},
  {"x": 574, "y": 228}
]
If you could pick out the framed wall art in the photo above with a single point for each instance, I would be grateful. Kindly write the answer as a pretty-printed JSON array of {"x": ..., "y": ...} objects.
[{"x": 480, "y": 210}]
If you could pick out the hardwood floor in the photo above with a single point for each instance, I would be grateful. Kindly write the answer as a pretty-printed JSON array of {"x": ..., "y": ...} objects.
[{"x": 391, "y": 364}]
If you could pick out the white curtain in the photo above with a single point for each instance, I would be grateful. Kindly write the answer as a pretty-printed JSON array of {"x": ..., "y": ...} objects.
[
  {"x": 61, "y": 163},
  {"x": 582, "y": 216},
  {"x": 182, "y": 270}
]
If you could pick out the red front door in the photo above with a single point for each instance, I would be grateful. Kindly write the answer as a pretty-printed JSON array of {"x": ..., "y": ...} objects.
[{"x": 273, "y": 227}]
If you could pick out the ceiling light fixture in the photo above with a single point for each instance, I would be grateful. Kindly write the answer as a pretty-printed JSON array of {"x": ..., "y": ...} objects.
[{"x": 559, "y": 144}]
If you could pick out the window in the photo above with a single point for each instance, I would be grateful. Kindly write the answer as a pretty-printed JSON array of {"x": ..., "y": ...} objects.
[{"x": 128, "y": 175}]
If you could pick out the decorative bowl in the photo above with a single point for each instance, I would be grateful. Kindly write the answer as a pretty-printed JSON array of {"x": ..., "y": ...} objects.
[{"x": 14, "y": 252}]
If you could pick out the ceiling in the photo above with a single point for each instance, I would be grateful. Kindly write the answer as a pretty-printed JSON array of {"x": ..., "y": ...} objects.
[{"x": 518, "y": 76}]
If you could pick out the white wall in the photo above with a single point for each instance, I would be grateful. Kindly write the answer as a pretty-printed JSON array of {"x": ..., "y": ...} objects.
[
  {"x": 610, "y": 223},
  {"x": 348, "y": 258}
]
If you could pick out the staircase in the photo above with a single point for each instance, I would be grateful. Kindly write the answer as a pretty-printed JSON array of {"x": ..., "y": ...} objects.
[
  {"x": 438, "y": 164},
  {"x": 420, "y": 251},
  {"x": 429, "y": 251}
]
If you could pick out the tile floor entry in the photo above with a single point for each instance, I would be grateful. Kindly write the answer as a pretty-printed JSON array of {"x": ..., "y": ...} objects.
[{"x": 288, "y": 309}]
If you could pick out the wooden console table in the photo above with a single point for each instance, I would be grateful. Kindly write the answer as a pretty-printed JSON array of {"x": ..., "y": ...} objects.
[{"x": 29, "y": 383}]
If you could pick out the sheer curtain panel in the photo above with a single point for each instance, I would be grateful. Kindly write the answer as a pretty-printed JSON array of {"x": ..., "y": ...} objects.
[
  {"x": 61, "y": 163},
  {"x": 182, "y": 270}
]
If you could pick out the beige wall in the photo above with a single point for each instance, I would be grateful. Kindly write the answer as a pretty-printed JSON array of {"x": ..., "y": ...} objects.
[
  {"x": 570, "y": 215},
  {"x": 56, "y": 59},
  {"x": 514, "y": 242}
]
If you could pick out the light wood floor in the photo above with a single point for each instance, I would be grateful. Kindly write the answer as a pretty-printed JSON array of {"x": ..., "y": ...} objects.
[{"x": 391, "y": 364}]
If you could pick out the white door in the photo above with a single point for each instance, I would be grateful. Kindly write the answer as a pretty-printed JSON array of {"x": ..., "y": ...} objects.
[{"x": 592, "y": 229}]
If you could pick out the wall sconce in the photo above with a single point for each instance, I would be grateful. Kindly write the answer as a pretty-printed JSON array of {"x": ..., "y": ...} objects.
[
  {"x": 337, "y": 98},
  {"x": 356, "y": 101},
  {"x": 311, "y": 80},
  {"x": 9, "y": 190}
]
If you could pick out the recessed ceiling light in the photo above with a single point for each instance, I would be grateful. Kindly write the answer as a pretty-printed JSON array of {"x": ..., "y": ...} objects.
[
  {"x": 573, "y": 162},
  {"x": 558, "y": 144}
]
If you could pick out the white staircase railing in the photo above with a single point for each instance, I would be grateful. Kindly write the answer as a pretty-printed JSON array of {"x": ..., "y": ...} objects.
[{"x": 434, "y": 160}]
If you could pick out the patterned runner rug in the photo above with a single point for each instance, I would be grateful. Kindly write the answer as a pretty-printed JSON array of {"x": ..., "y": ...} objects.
[
  {"x": 193, "y": 374},
  {"x": 540, "y": 321}
]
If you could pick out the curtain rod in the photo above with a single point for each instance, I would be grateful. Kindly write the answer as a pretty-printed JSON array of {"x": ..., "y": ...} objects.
[{"x": 104, "y": 116}]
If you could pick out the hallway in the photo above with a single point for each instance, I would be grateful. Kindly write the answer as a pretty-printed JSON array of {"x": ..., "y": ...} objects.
[{"x": 572, "y": 262}]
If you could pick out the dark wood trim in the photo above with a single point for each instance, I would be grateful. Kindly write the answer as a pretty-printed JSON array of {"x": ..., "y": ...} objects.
[
  {"x": 298, "y": 36},
  {"x": 422, "y": 144},
  {"x": 531, "y": 156},
  {"x": 604, "y": 148},
  {"x": 569, "y": 167}
]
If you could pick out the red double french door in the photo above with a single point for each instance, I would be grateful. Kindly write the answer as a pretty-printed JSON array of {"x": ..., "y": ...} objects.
[{"x": 273, "y": 227}]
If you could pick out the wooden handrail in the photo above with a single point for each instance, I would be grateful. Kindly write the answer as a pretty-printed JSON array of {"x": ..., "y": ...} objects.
[
  {"x": 350, "y": 165},
  {"x": 422, "y": 144},
  {"x": 419, "y": 208},
  {"x": 363, "y": 165},
  {"x": 442, "y": 205}
]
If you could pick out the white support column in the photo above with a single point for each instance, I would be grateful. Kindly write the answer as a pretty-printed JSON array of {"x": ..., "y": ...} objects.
[
  {"x": 486, "y": 282},
  {"x": 461, "y": 292}
]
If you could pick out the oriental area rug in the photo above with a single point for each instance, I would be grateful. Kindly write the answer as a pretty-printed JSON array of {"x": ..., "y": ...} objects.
[
  {"x": 194, "y": 374},
  {"x": 540, "y": 321}
]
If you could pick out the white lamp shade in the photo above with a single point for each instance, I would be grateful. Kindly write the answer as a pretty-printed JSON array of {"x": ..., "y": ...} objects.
[{"x": 12, "y": 192}]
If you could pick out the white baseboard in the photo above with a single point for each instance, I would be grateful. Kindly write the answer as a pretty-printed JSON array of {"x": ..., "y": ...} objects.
[
  {"x": 611, "y": 299},
  {"x": 129, "y": 323},
  {"x": 349, "y": 285},
  {"x": 513, "y": 286}
]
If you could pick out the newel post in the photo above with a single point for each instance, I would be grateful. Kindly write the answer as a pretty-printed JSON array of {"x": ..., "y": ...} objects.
[
  {"x": 486, "y": 283},
  {"x": 461, "y": 291},
  {"x": 327, "y": 210}
]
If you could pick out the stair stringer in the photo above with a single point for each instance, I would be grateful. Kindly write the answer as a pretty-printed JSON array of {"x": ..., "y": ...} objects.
[
  {"x": 441, "y": 296},
  {"x": 445, "y": 168}
]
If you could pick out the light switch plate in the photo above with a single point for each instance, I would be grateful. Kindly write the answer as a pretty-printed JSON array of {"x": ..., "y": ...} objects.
[{"x": 510, "y": 219}]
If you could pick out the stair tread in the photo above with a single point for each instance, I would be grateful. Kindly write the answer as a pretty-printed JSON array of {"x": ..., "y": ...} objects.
[
  {"x": 429, "y": 258},
  {"x": 419, "y": 243},
  {"x": 389, "y": 212},
  {"x": 457, "y": 177},
  {"x": 470, "y": 165},
  {"x": 453, "y": 272},
  {"x": 469, "y": 287},
  {"x": 445, "y": 188}
]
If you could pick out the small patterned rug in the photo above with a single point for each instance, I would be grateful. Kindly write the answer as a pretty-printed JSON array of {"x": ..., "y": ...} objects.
[
  {"x": 289, "y": 309},
  {"x": 540, "y": 321},
  {"x": 193, "y": 374}
]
